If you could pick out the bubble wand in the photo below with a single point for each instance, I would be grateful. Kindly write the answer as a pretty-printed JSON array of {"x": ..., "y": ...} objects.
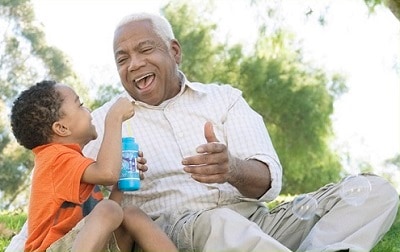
[{"x": 128, "y": 128}]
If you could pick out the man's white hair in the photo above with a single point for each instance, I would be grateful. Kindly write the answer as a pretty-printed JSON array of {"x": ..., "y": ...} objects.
[{"x": 161, "y": 25}]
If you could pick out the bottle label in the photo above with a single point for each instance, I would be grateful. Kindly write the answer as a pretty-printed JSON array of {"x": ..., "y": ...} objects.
[{"x": 129, "y": 165}]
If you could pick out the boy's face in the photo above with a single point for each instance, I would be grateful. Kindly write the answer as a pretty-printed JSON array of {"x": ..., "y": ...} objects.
[{"x": 75, "y": 117}]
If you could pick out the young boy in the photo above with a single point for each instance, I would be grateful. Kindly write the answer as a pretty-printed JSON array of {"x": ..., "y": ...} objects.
[{"x": 50, "y": 120}]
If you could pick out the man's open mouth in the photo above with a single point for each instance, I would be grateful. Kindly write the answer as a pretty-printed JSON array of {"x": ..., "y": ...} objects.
[{"x": 144, "y": 81}]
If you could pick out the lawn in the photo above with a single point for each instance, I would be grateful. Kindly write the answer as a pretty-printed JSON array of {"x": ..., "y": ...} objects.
[
  {"x": 391, "y": 241},
  {"x": 10, "y": 223}
]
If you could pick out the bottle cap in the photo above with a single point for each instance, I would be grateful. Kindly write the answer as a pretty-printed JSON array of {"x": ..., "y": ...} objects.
[{"x": 128, "y": 143}]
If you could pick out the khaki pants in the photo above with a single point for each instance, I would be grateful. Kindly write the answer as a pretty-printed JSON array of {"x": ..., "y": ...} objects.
[{"x": 337, "y": 225}]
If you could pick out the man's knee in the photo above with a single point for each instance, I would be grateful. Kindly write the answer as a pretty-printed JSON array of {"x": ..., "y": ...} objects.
[
  {"x": 382, "y": 191},
  {"x": 234, "y": 231},
  {"x": 220, "y": 217}
]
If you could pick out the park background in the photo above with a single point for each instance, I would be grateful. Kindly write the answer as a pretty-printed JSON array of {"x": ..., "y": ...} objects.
[
  {"x": 324, "y": 75},
  {"x": 342, "y": 37}
]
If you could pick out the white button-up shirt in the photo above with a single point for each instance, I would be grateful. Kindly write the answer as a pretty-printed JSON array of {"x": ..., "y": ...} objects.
[{"x": 171, "y": 131}]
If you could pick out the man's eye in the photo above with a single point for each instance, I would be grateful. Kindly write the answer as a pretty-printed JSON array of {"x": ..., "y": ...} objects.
[
  {"x": 121, "y": 60},
  {"x": 147, "y": 49},
  {"x": 81, "y": 104}
]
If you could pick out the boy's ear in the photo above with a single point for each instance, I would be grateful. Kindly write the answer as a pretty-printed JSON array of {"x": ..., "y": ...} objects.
[{"x": 60, "y": 129}]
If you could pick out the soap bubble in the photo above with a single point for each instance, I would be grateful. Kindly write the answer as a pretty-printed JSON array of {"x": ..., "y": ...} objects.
[
  {"x": 355, "y": 190},
  {"x": 304, "y": 206}
]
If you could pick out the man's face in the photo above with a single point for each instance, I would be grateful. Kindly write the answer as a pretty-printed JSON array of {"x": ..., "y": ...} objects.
[{"x": 148, "y": 68}]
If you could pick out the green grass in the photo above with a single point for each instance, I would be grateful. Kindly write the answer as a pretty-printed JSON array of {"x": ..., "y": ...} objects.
[
  {"x": 11, "y": 222},
  {"x": 391, "y": 241}
]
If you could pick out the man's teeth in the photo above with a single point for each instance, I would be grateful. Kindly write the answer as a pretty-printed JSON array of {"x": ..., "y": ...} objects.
[{"x": 141, "y": 78}]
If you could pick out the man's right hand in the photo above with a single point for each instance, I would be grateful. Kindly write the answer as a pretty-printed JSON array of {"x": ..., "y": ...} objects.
[{"x": 141, "y": 163}]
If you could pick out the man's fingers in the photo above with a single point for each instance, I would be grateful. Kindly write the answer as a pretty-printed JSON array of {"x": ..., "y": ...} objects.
[{"x": 209, "y": 133}]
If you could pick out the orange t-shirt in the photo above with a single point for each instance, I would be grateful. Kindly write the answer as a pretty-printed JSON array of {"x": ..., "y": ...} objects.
[{"x": 57, "y": 193}]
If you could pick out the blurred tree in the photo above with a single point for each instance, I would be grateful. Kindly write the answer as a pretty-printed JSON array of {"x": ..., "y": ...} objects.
[
  {"x": 25, "y": 59},
  {"x": 392, "y": 169},
  {"x": 103, "y": 94},
  {"x": 395, "y": 161},
  {"x": 295, "y": 98},
  {"x": 203, "y": 59},
  {"x": 296, "y": 101},
  {"x": 393, "y": 5}
]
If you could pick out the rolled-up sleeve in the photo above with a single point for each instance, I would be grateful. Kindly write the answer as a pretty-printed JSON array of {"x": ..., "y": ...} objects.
[{"x": 248, "y": 138}]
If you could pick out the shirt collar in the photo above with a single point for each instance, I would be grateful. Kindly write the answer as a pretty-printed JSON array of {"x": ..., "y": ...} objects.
[
  {"x": 191, "y": 85},
  {"x": 73, "y": 146}
]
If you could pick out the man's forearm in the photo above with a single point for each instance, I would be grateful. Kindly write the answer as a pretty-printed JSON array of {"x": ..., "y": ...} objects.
[{"x": 251, "y": 177}]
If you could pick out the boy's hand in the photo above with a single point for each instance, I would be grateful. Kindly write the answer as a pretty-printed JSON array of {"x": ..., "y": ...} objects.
[{"x": 122, "y": 107}]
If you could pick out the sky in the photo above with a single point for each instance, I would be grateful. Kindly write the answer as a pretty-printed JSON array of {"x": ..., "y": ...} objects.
[{"x": 363, "y": 46}]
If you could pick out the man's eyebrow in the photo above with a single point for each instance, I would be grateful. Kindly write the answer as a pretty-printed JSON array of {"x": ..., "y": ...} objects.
[
  {"x": 144, "y": 43},
  {"x": 136, "y": 47},
  {"x": 119, "y": 52}
]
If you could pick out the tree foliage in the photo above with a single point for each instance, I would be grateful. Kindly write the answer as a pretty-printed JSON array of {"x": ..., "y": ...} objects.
[
  {"x": 294, "y": 97},
  {"x": 393, "y": 5},
  {"x": 395, "y": 161},
  {"x": 25, "y": 58}
]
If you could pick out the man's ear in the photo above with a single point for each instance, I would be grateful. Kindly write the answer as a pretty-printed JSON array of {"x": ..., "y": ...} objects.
[
  {"x": 60, "y": 129},
  {"x": 176, "y": 51}
]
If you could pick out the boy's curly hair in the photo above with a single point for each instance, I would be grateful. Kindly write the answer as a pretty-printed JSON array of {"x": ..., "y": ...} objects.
[{"x": 34, "y": 112}]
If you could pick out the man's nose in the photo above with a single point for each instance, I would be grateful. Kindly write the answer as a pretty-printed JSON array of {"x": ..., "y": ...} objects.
[{"x": 136, "y": 63}]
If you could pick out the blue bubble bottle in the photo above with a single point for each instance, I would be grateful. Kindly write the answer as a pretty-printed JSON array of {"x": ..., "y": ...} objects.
[{"x": 129, "y": 179}]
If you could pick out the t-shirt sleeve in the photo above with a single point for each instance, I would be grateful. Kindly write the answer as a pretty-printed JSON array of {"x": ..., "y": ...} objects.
[{"x": 67, "y": 174}]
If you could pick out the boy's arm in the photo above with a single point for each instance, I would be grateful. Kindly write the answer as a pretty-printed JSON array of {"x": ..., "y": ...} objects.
[
  {"x": 106, "y": 170},
  {"x": 116, "y": 195}
]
